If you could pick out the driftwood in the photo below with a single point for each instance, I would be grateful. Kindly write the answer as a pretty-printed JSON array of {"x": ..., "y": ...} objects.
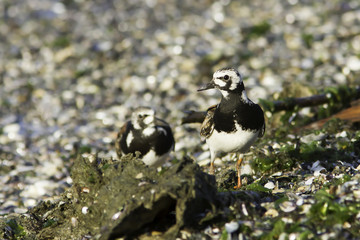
[
  {"x": 351, "y": 114},
  {"x": 290, "y": 104}
]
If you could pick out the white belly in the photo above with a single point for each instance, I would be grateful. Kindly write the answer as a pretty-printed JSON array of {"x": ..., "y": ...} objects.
[
  {"x": 151, "y": 159},
  {"x": 239, "y": 141}
]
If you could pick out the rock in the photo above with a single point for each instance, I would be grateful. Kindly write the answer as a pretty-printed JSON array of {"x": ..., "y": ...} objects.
[
  {"x": 231, "y": 226},
  {"x": 269, "y": 185},
  {"x": 287, "y": 206},
  {"x": 115, "y": 206}
]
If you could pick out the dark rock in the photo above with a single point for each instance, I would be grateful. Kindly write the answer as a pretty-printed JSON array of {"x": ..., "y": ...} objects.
[{"x": 127, "y": 199}]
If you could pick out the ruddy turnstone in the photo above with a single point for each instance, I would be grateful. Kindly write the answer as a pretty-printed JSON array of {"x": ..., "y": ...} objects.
[
  {"x": 235, "y": 123},
  {"x": 146, "y": 134}
]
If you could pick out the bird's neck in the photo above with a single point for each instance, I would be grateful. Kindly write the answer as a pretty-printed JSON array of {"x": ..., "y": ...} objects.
[{"x": 232, "y": 100}]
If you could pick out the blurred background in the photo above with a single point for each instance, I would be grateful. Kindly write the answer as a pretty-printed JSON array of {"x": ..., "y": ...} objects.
[{"x": 71, "y": 72}]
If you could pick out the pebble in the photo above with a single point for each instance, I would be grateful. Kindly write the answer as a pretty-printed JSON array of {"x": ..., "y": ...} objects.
[
  {"x": 116, "y": 216},
  {"x": 38, "y": 189},
  {"x": 231, "y": 226},
  {"x": 246, "y": 169},
  {"x": 356, "y": 194},
  {"x": 342, "y": 134},
  {"x": 74, "y": 222},
  {"x": 300, "y": 201},
  {"x": 271, "y": 213},
  {"x": 84, "y": 210},
  {"x": 309, "y": 181},
  {"x": 317, "y": 168},
  {"x": 353, "y": 63},
  {"x": 312, "y": 137},
  {"x": 269, "y": 185},
  {"x": 287, "y": 206}
]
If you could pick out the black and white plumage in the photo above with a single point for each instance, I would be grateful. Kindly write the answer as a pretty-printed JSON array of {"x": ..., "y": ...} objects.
[
  {"x": 146, "y": 134},
  {"x": 235, "y": 123}
]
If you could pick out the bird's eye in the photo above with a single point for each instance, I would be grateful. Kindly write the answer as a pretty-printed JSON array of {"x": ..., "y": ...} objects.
[
  {"x": 226, "y": 77},
  {"x": 141, "y": 116}
]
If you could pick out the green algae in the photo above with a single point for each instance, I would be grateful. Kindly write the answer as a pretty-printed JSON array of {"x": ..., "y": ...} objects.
[
  {"x": 293, "y": 153},
  {"x": 15, "y": 230}
]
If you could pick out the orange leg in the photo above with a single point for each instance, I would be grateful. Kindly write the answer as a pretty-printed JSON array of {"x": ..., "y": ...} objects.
[
  {"x": 212, "y": 168},
  {"x": 238, "y": 164}
]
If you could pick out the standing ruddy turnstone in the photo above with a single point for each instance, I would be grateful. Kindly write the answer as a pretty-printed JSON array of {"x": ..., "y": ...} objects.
[
  {"x": 235, "y": 123},
  {"x": 145, "y": 133}
]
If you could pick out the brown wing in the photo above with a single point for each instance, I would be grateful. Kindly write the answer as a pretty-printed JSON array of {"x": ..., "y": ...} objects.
[
  {"x": 118, "y": 139},
  {"x": 207, "y": 127}
]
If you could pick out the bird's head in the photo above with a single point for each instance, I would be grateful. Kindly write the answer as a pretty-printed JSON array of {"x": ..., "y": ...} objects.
[
  {"x": 143, "y": 117},
  {"x": 227, "y": 80}
]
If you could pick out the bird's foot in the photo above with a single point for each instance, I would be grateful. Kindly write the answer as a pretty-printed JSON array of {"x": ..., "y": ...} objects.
[{"x": 238, "y": 186}]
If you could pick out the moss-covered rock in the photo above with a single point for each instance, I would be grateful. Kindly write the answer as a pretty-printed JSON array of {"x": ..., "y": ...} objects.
[{"x": 111, "y": 199}]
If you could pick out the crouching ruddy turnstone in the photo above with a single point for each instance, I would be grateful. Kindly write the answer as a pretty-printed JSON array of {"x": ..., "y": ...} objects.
[
  {"x": 146, "y": 134},
  {"x": 235, "y": 123}
]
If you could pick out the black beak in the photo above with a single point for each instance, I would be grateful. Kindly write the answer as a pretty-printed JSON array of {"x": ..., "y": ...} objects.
[{"x": 210, "y": 85}]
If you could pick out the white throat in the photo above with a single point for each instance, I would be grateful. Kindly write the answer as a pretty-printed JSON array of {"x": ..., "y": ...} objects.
[
  {"x": 225, "y": 94},
  {"x": 245, "y": 98},
  {"x": 136, "y": 125}
]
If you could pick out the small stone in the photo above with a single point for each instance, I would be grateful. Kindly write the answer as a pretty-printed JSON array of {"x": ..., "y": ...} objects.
[
  {"x": 269, "y": 185},
  {"x": 89, "y": 157},
  {"x": 74, "y": 222},
  {"x": 30, "y": 202},
  {"x": 313, "y": 137},
  {"x": 353, "y": 63},
  {"x": 231, "y": 226},
  {"x": 293, "y": 236},
  {"x": 11, "y": 128},
  {"x": 185, "y": 234},
  {"x": 317, "y": 168},
  {"x": 346, "y": 225},
  {"x": 271, "y": 213},
  {"x": 307, "y": 63},
  {"x": 309, "y": 181},
  {"x": 21, "y": 210},
  {"x": 276, "y": 146},
  {"x": 300, "y": 201},
  {"x": 216, "y": 230},
  {"x": 116, "y": 216},
  {"x": 287, "y": 206},
  {"x": 142, "y": 183},
  {"x": 139, "y": 176},
  {"x": 343, "y": 134},
  {"x": 305, "y": 208},
  {"x": 85, "y": 190},
  {"x": 85, "y": 210},
  {"x": 356, "y": 194},
  {"x": 277, "y": 174},
  {"x": 244, "y": 210}
]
